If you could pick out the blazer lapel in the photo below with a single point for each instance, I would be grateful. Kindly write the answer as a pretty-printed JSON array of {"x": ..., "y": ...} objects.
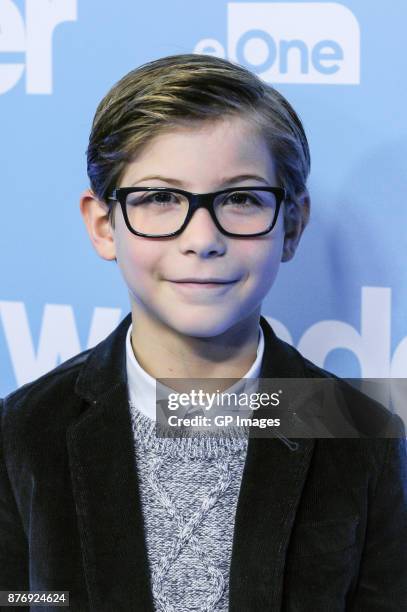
[
  {"x": 271, "y": 488},
  {"x": 272, "y": 483},
  {"x": 105, "y": 485}
]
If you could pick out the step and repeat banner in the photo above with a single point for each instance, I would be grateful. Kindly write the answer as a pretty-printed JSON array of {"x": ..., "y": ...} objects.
[{"x": 342, "y": 300}]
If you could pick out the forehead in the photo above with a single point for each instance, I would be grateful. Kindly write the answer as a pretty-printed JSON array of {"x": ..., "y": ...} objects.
[{"x": 204, "y": 150}]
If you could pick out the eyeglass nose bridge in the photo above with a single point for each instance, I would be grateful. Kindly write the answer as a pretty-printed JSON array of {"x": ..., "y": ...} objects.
[{"x": 201, "y": 200}]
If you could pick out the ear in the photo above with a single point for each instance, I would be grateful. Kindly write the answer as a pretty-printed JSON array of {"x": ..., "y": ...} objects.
[
  {"x": 296, "y": 216},
  {"x": 95, "y": 214}
]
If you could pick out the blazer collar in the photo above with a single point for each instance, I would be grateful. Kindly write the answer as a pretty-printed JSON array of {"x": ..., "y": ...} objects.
[
  {"x": 106, "y": 489},
  {"x": 105, "y": 367}
]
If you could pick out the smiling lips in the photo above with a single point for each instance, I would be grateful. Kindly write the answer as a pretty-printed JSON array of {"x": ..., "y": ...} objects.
[
  {"x": 201, "y": 286},
  {"x": 203, "y": 281}
]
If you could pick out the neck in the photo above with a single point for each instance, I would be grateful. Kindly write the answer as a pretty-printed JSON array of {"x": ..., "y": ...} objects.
[{"x": 164, "y": 353}]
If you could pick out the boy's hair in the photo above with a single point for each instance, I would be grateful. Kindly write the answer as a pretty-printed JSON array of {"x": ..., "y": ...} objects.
[{"x": 178, "y": 90}]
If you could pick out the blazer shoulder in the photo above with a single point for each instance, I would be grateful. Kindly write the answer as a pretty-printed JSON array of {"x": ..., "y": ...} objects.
[
  {"x": 314, "y": 371},
  {"x": 55, "y": 399},
  {"x": 50, "y": 388},
  {"x": 369, "y": 416},
  {"x": 296, "y": 362}
]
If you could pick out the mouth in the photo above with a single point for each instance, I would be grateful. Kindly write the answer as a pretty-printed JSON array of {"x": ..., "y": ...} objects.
[
  {"x": 202, "y": 280},
  {"x": 189, "y": 286},
  {"x": 202, "y": 284}
]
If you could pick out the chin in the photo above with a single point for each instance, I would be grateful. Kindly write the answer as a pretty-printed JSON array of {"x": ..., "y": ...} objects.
[{"x": 198, "y": 327}]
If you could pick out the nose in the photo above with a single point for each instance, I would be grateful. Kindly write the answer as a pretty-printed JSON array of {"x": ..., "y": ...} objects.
[{"x": 201, "y": 234}]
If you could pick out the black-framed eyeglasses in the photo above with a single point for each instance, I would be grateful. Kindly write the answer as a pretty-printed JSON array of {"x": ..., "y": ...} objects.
[{"x": 156, "y": 212}]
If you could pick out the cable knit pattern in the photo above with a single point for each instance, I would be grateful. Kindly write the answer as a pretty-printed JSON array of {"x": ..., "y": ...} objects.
[{"x": 189, "y": 487}]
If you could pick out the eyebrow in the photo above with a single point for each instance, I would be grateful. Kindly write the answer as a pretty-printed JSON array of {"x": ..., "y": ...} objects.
[{"x": 224, "y": 181}]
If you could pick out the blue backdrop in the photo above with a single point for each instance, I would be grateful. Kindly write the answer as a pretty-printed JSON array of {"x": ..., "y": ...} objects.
[{"x": 342, "y": 300}]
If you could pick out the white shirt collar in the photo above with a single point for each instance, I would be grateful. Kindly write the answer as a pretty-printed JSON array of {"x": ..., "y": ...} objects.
[{"x": 142, "y": 387}]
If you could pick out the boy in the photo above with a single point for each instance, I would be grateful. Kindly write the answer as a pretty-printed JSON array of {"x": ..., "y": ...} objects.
[{"x": 91, "y": 500}]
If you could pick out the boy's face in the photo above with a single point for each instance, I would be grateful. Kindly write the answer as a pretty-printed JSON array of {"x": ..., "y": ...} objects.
[{"x": 201, "y": 158}]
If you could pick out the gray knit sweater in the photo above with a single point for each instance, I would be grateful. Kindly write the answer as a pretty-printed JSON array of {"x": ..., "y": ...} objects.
[{"x": 189, "y": 489}]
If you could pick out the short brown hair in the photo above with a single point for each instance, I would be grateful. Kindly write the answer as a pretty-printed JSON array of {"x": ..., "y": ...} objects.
[{"x": 179, "y": 89}]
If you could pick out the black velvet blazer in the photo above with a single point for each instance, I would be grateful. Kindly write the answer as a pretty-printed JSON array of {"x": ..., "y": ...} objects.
[{"x": 319, "y": 529}]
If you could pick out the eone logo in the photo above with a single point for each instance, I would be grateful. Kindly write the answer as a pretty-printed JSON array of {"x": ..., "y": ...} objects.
[
  {"x": 34, "y": 38},
  {"x": 309, "y": 42}
]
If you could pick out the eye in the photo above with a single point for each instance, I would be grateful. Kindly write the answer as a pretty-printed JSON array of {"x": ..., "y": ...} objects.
[
  {"x": 243, "y": 198},
  {"x": 161, "y": 197}
]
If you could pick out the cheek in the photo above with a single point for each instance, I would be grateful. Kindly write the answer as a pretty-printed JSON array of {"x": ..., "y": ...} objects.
[
  {"x": 262, "y": 258},
  {"x": 137, "y": 260}
]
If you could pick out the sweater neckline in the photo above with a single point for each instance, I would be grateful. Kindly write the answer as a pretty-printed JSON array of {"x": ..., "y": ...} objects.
[{"x": 186, "y": 442}]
